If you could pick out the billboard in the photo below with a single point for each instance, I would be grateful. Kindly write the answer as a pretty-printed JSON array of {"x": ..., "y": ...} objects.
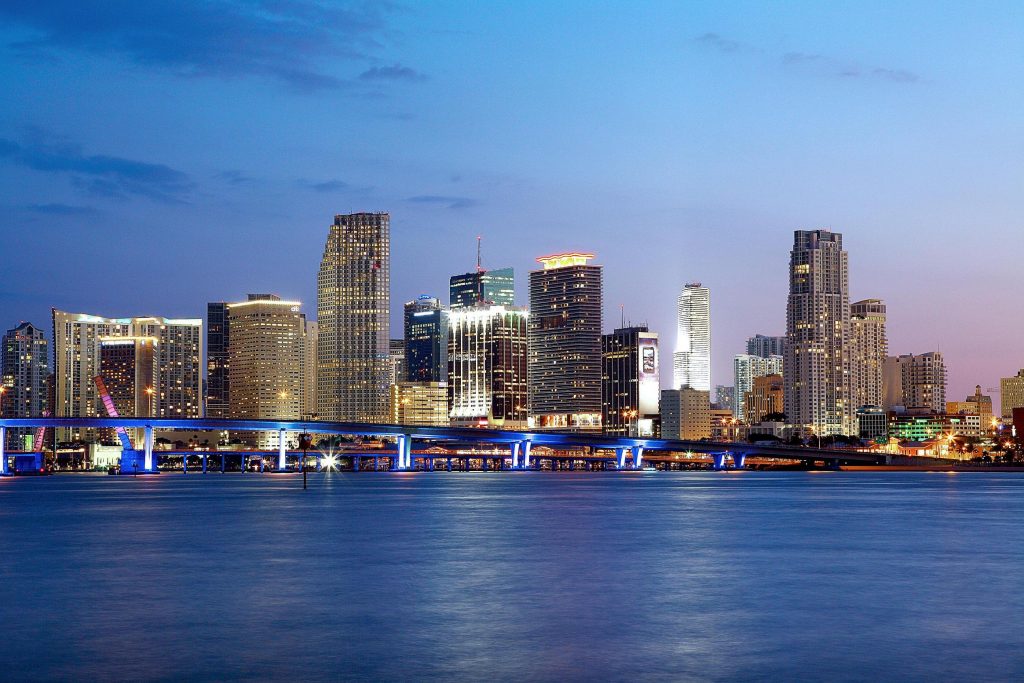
[{"x": 648, "y": 374}]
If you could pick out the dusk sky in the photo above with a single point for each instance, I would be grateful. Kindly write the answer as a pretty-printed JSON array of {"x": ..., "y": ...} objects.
[{"x": 153, "y": 159}]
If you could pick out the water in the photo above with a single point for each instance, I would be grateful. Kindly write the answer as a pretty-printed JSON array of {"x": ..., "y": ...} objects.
[{"x": 513, "y": 576}]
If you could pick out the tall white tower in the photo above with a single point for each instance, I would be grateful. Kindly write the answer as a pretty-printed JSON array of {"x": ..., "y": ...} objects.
[{"x": 692, "y": 359}]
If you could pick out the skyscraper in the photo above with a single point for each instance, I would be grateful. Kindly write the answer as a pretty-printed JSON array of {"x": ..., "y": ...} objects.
[
  {"x": 915, "y": 382},
  {"x": 685, "y": 414},
  {"x": 692, "y": 359},
  {"x": 869, "y": 347},
  {"x": 309, "y": 402},
  {"x": 1011, "y": 394},
  {"x": 483, "y": 286},
  {"x": 24, "y": 375},
  {"x": 630, "y": 383},
  {"x": 426, "y": 341},
  {"x": 816, "y": 367},
  {"x": 128, "y": 366},
  {"x": 764, "y": 398},
  {"x": 764, "y": 346},
  {"x": 487, "y": 366},
  {"x": 746, "y": 368},
  {"x": 179, "y": 357},
  {"x": 353, "y": 299},
  {"x": 267, "y": 362},
  {"x": 217, "y": 359},
  {"x": 565, "y": 343}
]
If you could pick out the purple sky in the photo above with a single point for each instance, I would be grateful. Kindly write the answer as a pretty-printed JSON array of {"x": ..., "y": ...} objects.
[{"x": 152, "y": 160}]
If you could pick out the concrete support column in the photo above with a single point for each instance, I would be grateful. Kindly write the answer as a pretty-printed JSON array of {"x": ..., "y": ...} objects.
[
  {"x": 739, "y": 460},
  {"x": 638, "y": 457},
  {"x": 355, "y": 463},
  {"x": 243, "y": 463},
  {"x": 449, "y": 464},
  {"x": 184, "y": 464},
  {"x": 526, "y": 455},
  {"x": 148, "y": 446},
  {"x": 620, "y": 457},
  {"x": 282, "y": 453},
  {"x": 515, "y": 448},
  {"x": 204, "y": 462},
  {"x": 719, "y": 461},
  {"x": 403, "y": 461},
  {"x": 3, "y": 451}
]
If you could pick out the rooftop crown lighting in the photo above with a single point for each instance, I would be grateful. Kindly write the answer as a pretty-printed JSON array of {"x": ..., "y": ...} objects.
[{"x": 564, "y": 260}]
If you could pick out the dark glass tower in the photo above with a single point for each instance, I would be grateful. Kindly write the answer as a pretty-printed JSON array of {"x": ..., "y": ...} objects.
[{"x": 426, "y": 340}]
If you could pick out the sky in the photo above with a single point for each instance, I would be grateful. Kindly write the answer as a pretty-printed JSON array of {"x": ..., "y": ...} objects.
[{"x": 156, "y": 156}]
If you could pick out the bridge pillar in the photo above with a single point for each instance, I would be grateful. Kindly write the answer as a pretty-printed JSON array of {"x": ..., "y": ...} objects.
[
  {"x": 148, "y": 445},
  {"x": 526, "y": 454},
  {"x": 204, "y": 463},
  {"x": 739, "y": 460},
  {"x": 449, "y": 464},
  {"x": 184, "y": 463},
  {"x": 483, "y": 463},
  {"x": 3, "y": 452},
  {"x": 638, "y": 457},
  {"x": 355, "y": 463},
  {"x": 243, "y": 463},
  {"x": 620, "y": 457},
  {"x": 376, "y": 463},
  {"x": 262, "y": 460},
  {"x": 223, "y": 462},
  {"x": 719, "y": 460},
  {"x": 515, "y": 447},
  {"x": 282, "y": 452},
  {"x": 404, "y": 452}
]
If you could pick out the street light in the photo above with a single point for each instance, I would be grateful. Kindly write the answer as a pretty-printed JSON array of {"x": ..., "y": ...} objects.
[{"x": 149, "y": 392}]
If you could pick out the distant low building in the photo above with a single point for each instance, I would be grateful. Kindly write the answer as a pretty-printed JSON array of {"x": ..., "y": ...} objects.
[
  {"x": 419, "y": 403},
  {"x": 685, "y": 414}
]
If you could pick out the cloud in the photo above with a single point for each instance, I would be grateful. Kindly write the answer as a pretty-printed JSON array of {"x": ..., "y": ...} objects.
[
  {"x": 810, "y": 63},
  {"x": 101, "y": 175},
  {"x": 62, "y": 210},
  {"x": 292, "y": 41},
  {"x": 447, "y": 202},
  {"x": 396, "y": 72},
  {"x": 235, "y": 177},
  {"x": 325, "y": 185}
]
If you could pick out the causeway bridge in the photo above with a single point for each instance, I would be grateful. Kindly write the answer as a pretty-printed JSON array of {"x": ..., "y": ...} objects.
[{"x": 613, "y": 452}]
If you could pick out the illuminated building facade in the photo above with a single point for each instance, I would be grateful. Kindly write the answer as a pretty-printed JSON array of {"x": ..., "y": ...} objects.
[
  {"x": 685, "y": 414},
  {"x": 1011, "y": 394},
  {"x": 128, "y": 366},
  {"x": 746, "y": 368},
  {"x": 565, "y": 343},
  {"x": 353, "y": 300},
  {"x": 977, "y": 404},
  {"x": 217, "y": 359},
  {"x": 869, "y": 347},
  {"x": 487, "y": 366},
  {"x": 915, "y": 382},
  {"x": 630, "y": 384},
  {"x": 692, "y": 360},
  {"x": 397, "y": 371},
  {"x": 483, "y": 286},
  {"x": 179, "y": 361},
  {"x": 764, "y": 345},
  {"x": 24, "y": 376},
  {"x": 816, "y": 367},
  {"x": 309, "y": 383},
  {"x": 419, "y": 403},
  {"x": 766, "y": 396},
  {"x": 426, "y": 341},
  {"x": 267, "y": 362}
]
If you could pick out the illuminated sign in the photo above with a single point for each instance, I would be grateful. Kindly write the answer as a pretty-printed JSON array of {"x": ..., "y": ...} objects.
[
  {"x": 649, "y": 388},
  {"x": 564, "y": 260}
]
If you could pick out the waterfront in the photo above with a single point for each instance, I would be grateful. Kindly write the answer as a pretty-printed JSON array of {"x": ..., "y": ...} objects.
[{"x": 514, "y": 576}]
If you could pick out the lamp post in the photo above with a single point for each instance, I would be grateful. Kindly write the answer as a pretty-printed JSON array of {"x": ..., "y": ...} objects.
[{"x": 305, "y": 441}]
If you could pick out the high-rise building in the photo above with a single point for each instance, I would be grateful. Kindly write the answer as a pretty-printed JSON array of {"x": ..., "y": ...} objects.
[
  {"x": 24, "y": 376},
  {"x": 1011, "y": 394},
  {"x": 764, "y": 346},
  {"x": 309, "y": 400},
  {"x": 267, "y": 363},
  {"x": 685, "y": 414},
  {"x": 976, "y": 404},
  {"x": 816, "y": 368},
  {"x": 397, "y": 369},
  {"x": 872, "y": 423},
  {"x": 565, "y": 343},
  {"x": 426, "y": 341},
  {"x": 353, "y": 300},
  {"x": 217, "y": 359},
  {"x": 915, "y": 382},
  {"x": 746, "y": 368},
  {"x": 128, "y": 366},
  {"x": 869, "y": 347},
  {"x": 487, "y": 366},
  {"x": 692, "y": 359},
  {"x": 483, "y": 286},
  {"x": 725, "y": 397},
  {"x": 179, "y": 358},
  {"x": 766, "y": 396},
  {"x": 419, "y": 403},
  {"x": 630, "y": 382}
]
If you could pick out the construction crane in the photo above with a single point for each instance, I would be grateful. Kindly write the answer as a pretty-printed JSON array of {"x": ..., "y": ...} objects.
[{"x": 108, "y": 403}]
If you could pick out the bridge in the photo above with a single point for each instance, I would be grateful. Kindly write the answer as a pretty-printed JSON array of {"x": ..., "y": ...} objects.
[{"x": 620, "y": 452}]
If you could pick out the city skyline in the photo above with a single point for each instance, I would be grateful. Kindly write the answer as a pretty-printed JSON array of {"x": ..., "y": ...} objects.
[{"x": 367, "y": 135}]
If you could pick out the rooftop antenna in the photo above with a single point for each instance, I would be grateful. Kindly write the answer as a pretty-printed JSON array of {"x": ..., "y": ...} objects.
[
  {"x": 479, "y": 264},
  {"x": 622, "y": 315}
]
